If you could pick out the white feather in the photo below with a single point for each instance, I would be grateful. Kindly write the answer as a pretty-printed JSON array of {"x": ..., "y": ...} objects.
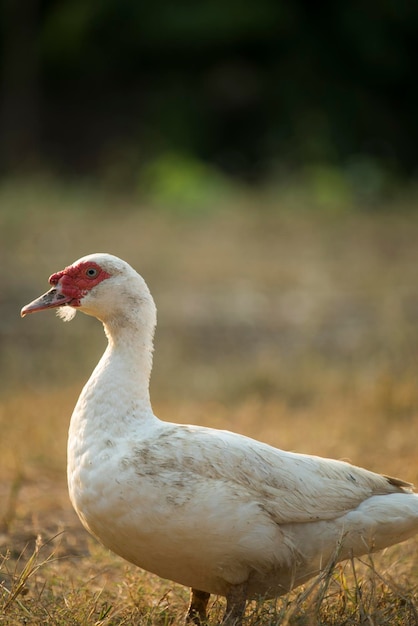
[{"x": 66, "y": 313}]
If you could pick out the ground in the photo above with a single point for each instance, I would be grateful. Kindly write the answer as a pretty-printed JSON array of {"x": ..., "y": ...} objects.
[{"x": 299, "y": 328}]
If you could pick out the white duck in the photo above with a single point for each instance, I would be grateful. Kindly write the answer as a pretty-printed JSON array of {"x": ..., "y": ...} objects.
[{"x": 210, "y": 509}]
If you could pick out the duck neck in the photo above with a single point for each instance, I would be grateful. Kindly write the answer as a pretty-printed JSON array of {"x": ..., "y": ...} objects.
[{"x": 128, "y": 362}]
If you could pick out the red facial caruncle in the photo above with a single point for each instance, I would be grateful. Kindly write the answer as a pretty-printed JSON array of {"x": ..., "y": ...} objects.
[
  {"x": 76, "y": 281},
  {"x": 68, "y": 287}
]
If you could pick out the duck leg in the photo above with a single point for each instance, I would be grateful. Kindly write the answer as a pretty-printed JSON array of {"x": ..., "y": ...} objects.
[
  {"x": 196, "y": 613},
  {"x": 236, "y": 600}
]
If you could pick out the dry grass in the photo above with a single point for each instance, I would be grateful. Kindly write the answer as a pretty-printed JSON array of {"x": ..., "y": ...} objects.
[{"x": 298, "y": 329}]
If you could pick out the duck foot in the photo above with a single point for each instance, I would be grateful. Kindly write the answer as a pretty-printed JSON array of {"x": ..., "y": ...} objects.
[{"x": 196, "y": 613}]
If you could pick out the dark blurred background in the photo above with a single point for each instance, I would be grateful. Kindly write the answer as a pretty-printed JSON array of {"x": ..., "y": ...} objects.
[{"x": 254, "y": 90}]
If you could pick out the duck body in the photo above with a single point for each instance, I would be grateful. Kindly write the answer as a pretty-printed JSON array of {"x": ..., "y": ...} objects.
[{"x": 209, "y": 509}]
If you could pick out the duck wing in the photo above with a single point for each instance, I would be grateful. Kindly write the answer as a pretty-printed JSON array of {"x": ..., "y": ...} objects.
[{"x": 291, "y": 487}]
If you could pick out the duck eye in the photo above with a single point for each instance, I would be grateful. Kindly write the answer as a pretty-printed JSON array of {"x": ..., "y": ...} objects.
[{"x": 91, "y": 272}]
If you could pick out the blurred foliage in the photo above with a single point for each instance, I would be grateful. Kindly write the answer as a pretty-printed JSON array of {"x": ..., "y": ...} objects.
[
  {"x": 256, "y": 90},
  {"x": 183, "y": 183}
]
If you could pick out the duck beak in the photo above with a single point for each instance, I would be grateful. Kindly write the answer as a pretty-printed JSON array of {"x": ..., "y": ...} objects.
[{"x": 49, "y": 300}]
